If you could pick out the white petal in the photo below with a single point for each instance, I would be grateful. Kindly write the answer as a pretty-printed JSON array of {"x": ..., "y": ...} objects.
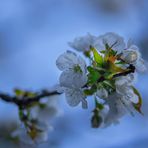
[
  {"x": 129, "y": 43},
  {"x": 113, "y": 40},
  {"x": 21, "y": 133},
  {"x": 41, "y": 137},
  {"x": 134, "y": 98},
  {"x": 84, "y": 104},
  {"x": 43, "y": 114},
  {"x": 66, "y": 60},
  {"x": 131, "y": 55},
  {"x": 72, "y": 79},
  {"x": 60, "y": 89},
  {"x": 42, "y": 126},
  {"x": 125, "y": 80},
  {"x": 141, "y": 65},
  {"x": 102, "y": 93},
  {"x": 83, "y": 43},
  {"x": 82, "y": 64},
  {"x": 116, "y": 109},
  {"x": 74, "y": 96}
]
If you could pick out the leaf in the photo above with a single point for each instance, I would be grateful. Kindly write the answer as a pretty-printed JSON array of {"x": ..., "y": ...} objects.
[
  {"x": 113, "y": 68},
  {"x": 98, "y": 105},
  {"x": 87, "y": 54},
  {"x": 90, "y": 91},
  {"x": 19, "y": 92},
  {"x": 108, "y": 75},
  {"x": 42, "y": 106},
  {"x": 96, "y": 121},
  {"x": 103, "y": 51},
  {"x": 21, "y": 114},
  {"x": 107, "y": 47},
  {"x": 109, "y": 83},
  {"x": 30, "y": 94},
  {"x": 120, "y": 62},
  {"x": 97, "y": 57},
  {"x": 93, "y": 75},
  {"x": 138, "y": 105}
]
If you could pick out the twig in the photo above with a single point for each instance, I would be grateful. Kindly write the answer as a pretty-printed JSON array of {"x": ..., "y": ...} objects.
[{"x": 25, "y": 101}]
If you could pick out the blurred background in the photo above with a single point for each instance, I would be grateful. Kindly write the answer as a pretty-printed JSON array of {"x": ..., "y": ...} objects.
[{"x": 33, "y": 33}]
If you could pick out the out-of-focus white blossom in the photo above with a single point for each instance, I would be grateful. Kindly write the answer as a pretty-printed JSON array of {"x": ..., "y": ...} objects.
[
  {"x": 73, "y": 77},
  {"x": 41, "y": 135},
  {"x": 36, "y": 126},
  {"x": 45, "y": 111}
]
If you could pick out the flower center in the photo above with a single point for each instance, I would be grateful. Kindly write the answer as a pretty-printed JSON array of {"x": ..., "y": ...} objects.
[{"x": 77, "y": 69}]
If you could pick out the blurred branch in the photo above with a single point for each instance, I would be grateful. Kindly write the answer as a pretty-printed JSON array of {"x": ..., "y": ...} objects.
[{"x": 25, "y": 100}]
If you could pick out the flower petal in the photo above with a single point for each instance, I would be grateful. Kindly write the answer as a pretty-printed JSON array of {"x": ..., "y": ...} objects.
[
  {"x": 83, "y": 43},
  {"x": 72, "y": 79},
  {"x": 113, "y": 40},
  {"x": 116, "y": 109},
  {"x": 74, "y": 96},
  {"x": 102, "y": 93},
  {"x": 66, "y": 60}
]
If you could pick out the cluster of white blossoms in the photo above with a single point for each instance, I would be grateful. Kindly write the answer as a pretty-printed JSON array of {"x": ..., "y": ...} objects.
[
  {"x": 35, "y": 126},
  {"x": 108, "y": 78}
]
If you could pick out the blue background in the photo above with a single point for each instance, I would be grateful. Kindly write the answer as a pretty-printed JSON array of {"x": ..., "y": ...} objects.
[{"x": 33, "y": 33}]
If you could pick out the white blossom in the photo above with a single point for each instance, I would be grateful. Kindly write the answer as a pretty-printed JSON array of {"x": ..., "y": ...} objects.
[
  {"x": 83, "y": 43},
  {"x": 46, "y": 111},
  {"x": 37, "y": 126},
  {"x": 113, "y": 40},
  {"x": 41, "y": 134},
  {"x": 73, "y": 77},
  {"x": 120, "y": 98},
  {"x": 132, "y": 56},
  {"x": 124, "y": 87},
  {"x": 121, "y": 101},
  {"x": 75, "y": 96},
  {"x": 119, "y": 105}
]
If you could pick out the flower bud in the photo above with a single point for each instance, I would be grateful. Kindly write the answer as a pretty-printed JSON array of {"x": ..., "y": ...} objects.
[
  {"x": 96, "y": 121},
  {"x": 130, "y": 56}
]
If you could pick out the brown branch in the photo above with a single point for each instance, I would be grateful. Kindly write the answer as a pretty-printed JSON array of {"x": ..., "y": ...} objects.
[
  {"x": 131, "y": 69},
  {"x": 25, "y": 101}
]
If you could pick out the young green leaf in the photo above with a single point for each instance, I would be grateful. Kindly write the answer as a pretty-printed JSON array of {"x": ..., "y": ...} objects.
[
  {"x": 99, "y": 106},
  {"x": 93, "y": 75},
  {"x": 113, "y": 68},
  {"x": 19, "y": 93},
  {"x": 97, "y": 57},
  {"x": 90, "y": 91},
  {"x": 138, "y": 105}
]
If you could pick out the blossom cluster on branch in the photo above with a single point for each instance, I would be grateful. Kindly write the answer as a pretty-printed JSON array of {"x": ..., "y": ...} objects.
[{"x": 107, "y": 75}]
